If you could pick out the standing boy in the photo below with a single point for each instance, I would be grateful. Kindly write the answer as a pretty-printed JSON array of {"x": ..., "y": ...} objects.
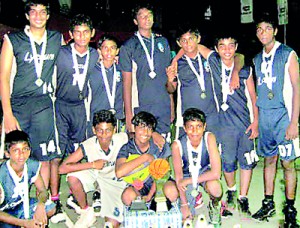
[
  {"x": 148, "y": 55},
  {"x": 74, "y": 64},
  {"x": 100, "y": 151},
  {"x": 25, "y": 95},
  {"x": 16, "y": 176},
  {"x": 196, "y": 162},
  {"x": 143, "y": 145},
  {"x": 277, "y": 72}
]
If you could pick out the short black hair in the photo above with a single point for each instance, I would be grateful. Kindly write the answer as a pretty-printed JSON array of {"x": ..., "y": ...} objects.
[
  {"x": 105, "y": 37},
  {"x": 224, "y": 34},
  {"x": 267, "y": 18},
  {"x": 81, "y": 19},
  {"x": 144, "y": 118},
  {"x": 186, "y": 27},
  {"x": 104, "y": 116},
  {"x": 15, "y": 137},
  {"x": 31, "y": 3},
  {"x": 142, "y": 5},
  {"x": 193, "y": 114}
]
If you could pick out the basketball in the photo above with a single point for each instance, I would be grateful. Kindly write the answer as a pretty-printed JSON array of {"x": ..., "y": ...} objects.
[
  {"x": 140, "y": 173},
  {"x": 159, "y": 168}
]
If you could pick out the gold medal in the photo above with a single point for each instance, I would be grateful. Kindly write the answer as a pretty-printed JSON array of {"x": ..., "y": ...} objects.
[
  {"x": 203, "y": 95},
  {"x": 270, "y": 95}
]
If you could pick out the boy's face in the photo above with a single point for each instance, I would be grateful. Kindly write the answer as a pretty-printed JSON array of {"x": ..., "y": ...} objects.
[
  {"x": 194, "y": 129},
  {"x": 189, "y": 43},
  {"x": 144, "y": 19},
  {"x": 82, "y": 35},
  {"x": 37, "y": 16},
  {"x": 104, "y": 132},
  {"x": 18, "y": 153},
  {"x": 226, "y": 48},
  {"x": 109, "y": 50},
  {"x": 142, "y": 133},
  {"x": 265, "y": 33}
]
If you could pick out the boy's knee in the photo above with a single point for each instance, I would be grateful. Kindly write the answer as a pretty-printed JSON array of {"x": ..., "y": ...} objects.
[
  {"x": 128, "y": 196},
  {"x": 214, "y": 188},
  {"x": 171, "y": 191}
]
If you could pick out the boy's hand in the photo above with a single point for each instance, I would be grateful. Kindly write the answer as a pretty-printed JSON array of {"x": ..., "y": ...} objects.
[
  {"x": 253, "y": 127},
  {"x": 158, "y": 140},
  {"x": 292, "y": 131},
  {"x": 235, "y": 81},
  {"x": 172, "y": 72},
  {"x": 99, "y": 164},
  {"x": 11, "y": 123},
  {"x": 182, "y": 185},
  {"x": 186, "y": 213},
  {"x": 40, "y": 215}
]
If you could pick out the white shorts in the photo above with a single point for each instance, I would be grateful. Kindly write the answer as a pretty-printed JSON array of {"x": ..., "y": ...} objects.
[{"x": 111, "y": 192}]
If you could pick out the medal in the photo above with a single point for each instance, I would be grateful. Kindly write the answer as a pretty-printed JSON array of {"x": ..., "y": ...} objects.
[
  {"x": 194, "y": 193},
  {"x": 80, "y": 96},
  {"x": 152, "y": 74},
  {"x": 203, "y": 95},
  {"x": 39, "y": 82},
  {"x": 270, "y": 95},
  {"x": 224, "y": 107},
  {"x": 113, "y": 111}
]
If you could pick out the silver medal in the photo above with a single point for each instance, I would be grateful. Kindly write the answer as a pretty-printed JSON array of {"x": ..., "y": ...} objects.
[
  {"x": 270, "y": 95},
  {"x": 224, "y": 107},
  {"x": 39, "y": 82},
  {"x": 194, "y": 193},
  {"x": 203, "y": 95},
  {"x": 152, "y": 74}
]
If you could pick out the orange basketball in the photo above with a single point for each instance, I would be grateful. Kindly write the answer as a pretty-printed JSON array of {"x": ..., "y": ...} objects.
[{"x": 159, "y": 168}]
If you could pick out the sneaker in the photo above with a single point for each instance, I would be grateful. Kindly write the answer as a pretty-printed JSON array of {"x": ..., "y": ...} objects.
[
  {"x": 199, "y": 201},
  {"x": 73, "y": 204},
  {"x": 231, "y": 199},
  {"x": 290, "y": 220},
  {"x": 267, "y": 210},
  {"x": 59, "y": 215},
  {"x": 243, "y": 206},
  {"x": 86, "y": 219},
  {"x": 214, "y": 213},
  {"x": 225, "y": 213},
  {"x": 97, "y": 202}
]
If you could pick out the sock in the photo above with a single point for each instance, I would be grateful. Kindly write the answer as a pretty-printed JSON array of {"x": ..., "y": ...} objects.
[
  {"x": 55, "y": 198},
  {"x": 290, "y": 202},
  {"x": 240, "y": 197},
  {"x": 269, "y": 197},
  {"x": 233, "y": 188}
]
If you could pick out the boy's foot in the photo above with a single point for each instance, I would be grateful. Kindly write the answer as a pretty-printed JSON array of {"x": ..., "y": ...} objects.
[
  {"x": 290, "y": 213},
  {"x": 59, "y": 215},
  {"x": 214, "y": 213},
  {"x": 73, "y": 204},
  {"x": 231, "y": 199},
  {"x": 199, "y": 201},
  {"x": 266, "y": 211},
  {"x": 243, "y": 206},
  {"x": 97, "y": 202},
  {"x": 86, "y": 219},
  {"x": 225, "y": 213}
]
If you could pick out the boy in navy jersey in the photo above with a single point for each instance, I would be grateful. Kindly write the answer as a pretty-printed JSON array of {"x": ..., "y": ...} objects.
[
  {"x": 17, "y": 209},
  {"x": 197, "y": 161},
  {"x": 143, "y": 61},
  {"x": 73, "y": 66},
  {"x": 277, "y": 72},
  {"x": 26, "y": 66}
]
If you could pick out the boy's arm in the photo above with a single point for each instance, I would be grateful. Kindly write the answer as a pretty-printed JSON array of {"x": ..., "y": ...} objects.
[
  {"x": 171, "y": 71},
  {"x": 254, "y": 125},
  {"x": 9, "y": 219},
  {"x": 6, "y": 63},
  {"x": 127, "y": 95},
  {"x": 72, "y": 164},
  {"x": 40, "y": 215},
  {"x": 239, "y": 61},
  {"x": 204, "y": 51},
  {"x": 292, "y": 131}
]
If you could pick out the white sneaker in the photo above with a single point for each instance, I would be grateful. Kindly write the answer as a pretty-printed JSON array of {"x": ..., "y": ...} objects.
[
  {"x": 72, "y": 204},
  {"x": 86, "y": 219}
]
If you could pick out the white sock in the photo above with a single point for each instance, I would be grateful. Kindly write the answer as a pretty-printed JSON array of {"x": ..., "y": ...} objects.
[{"x": 233, "y": 188}]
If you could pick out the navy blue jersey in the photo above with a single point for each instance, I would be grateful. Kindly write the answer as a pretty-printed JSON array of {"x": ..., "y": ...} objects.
[
  {"x": 237, "y": 115},
  {"x": 24, "y": 80},
  {"x": 150, "y": 91},
  {"x": 13, "y": 194},
  {"x": 65, "y": 89},
  {"x": 279, "y": 76},
  {"x": 130, "y": 148},
  {"x": 205, "y": 162},
  {"x": 190, "y": 90},
  {"x": 99, "y": 96}
]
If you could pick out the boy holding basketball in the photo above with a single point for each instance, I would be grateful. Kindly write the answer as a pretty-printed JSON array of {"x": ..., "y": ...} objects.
[
  {"x": 197, "y": 161},
  {"x": 143, "y": 145},
  {"x": 100, "y": 152}
]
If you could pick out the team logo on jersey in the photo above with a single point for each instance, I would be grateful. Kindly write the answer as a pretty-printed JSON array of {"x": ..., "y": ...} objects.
[
  {"x": 206, "y": 66},
  {"x": 160, "y": 47},
  {"x": 118, "y": 78}
]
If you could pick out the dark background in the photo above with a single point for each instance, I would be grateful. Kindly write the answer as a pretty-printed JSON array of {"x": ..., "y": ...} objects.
[{"x": 168, "y": 14}]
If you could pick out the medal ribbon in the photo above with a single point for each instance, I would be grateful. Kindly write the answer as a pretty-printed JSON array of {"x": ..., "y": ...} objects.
[
  {"x": 77, "y": 77},
  {"x": 194, "y": 169},
  {"x": 111, "y": 94},
  {"x": 200, "y": 77},
  {"x": 226, "y": 81},
  {"x": 150, "y": 59},
  {"x": 38, "y": 61}
]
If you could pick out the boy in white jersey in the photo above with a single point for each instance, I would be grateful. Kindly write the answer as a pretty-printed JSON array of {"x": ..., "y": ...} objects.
[{"x": 100, "y": 152}]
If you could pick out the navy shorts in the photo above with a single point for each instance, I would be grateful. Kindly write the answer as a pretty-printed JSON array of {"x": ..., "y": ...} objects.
[{"x": 36, "y": 118}]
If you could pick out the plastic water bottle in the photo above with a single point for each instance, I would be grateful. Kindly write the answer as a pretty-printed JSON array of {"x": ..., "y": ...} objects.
[{"x": 201, "y": 221}]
